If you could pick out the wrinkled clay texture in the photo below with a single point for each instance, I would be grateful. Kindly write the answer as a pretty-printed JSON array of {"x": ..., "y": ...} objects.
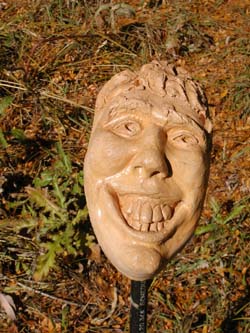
[{"x": 146, "y": 168}]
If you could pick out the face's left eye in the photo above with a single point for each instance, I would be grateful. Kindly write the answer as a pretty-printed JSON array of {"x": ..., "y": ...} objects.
[
  {"x": 126, "y": 128},
  {"x": 184, "y": 139},
  {"x": 188, "y": 139}
]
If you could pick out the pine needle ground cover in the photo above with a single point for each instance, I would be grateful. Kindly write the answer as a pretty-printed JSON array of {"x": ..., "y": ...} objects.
[{"x": 54, "y": 57}]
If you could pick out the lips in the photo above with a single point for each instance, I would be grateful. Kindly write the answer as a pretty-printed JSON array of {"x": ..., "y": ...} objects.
[{"x": 146, "y": 214}]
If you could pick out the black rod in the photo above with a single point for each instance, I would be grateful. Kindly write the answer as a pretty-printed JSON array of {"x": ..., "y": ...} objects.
[{"x": 138, "y": 308}]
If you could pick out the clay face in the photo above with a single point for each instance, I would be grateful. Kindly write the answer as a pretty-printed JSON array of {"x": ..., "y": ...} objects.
[{"x": 146, "y": 168}]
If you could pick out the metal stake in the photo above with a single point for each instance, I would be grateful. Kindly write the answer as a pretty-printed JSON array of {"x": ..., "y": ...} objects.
[{"x": 138, "y": 309}]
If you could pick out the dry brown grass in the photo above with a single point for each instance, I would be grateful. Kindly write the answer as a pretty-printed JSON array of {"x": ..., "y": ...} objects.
[{"x": 54, "y": 57}]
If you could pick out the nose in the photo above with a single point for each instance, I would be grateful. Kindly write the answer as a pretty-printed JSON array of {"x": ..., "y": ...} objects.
[{"x": 152, "y": 162}]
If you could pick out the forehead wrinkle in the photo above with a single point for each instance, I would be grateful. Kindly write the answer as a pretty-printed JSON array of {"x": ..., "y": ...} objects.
[
  {"x": 138, "y": 107},
  {"x": 172, "y": 117}
]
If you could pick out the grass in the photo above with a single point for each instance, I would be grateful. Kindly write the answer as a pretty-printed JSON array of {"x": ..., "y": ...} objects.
[{"x": 54, "y": 57}]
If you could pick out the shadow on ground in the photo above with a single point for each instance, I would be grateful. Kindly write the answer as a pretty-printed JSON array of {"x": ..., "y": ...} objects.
[{"x": 232, "y": 321}]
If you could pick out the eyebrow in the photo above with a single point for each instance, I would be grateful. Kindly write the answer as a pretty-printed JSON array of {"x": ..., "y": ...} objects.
[
  {"x": 163, "y": 117},
  {"x": 178, "y": 118},
  {"x": 135, "y": 106}
]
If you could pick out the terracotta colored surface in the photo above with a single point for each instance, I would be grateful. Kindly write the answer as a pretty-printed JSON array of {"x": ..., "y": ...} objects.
[{"x": 146, "y": 168}]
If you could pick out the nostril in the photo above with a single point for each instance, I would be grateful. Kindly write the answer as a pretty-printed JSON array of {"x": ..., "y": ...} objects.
[{"x": 168, "y": 167}]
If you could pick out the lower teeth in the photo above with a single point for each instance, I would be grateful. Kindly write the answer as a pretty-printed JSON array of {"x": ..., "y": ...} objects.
[{"x": 153, "y": 227}]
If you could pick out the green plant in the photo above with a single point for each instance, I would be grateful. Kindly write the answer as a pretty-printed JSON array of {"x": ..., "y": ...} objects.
[
  {"x": 52, "y": 213},
  {"x": 219, "y": 219}
]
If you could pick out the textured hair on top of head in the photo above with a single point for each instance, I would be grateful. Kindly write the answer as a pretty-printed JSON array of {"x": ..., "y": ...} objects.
[{"x": 172, "y": 84}]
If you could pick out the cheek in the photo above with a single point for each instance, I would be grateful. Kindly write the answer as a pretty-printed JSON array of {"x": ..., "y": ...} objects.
[
  {"x": 189, "y": 170},
  {"x": 108, "y": 154}
]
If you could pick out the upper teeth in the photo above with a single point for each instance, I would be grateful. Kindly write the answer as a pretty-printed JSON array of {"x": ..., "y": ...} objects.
[{"x": 145, "y": 214}]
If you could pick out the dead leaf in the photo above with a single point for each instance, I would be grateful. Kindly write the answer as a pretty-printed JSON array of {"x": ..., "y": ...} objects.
[
  {"x": 49, "y": 327},
  {"x": 95, "y": 253}
]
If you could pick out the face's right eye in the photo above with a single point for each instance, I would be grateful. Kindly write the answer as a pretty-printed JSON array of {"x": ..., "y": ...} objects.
[{"x": 127, "y": 128}]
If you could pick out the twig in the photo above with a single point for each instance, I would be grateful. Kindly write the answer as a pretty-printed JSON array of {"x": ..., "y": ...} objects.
[
  {"x": 10, "y": 84},
  {"x": 45, "y": 94},
  {"x": 43, "y": 293}
]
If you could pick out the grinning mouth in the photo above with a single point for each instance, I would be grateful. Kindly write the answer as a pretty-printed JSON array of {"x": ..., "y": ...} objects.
[{"x": 147, "y": 214}]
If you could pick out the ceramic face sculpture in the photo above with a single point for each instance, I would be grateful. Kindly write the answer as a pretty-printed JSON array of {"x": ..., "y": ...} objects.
[{"x": 146, "y": 168}]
